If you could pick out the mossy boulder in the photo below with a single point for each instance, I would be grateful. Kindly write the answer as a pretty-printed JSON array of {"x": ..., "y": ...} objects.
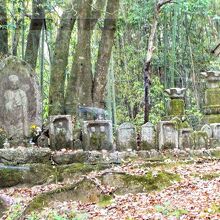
[
  {"x": 24, "y": 155},
  {"x": 37, "y": 174},
  {"x": 126, "y": 183},
  {"x": 85, "y": 191}
]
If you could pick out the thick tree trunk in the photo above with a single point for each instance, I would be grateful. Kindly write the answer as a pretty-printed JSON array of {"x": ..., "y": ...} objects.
[
  {"x": 37, "y": 22},
  {"x": 3, "y": 28},
  {"x": 79, "y": 86},
  {"x": 60, "y": 60},
  {"x": 104, "y": 53}
]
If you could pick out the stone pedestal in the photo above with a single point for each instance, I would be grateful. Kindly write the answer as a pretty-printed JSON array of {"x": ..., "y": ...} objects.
[
  {"x": 176, "y": 104},
  {"x": 212, "y": 97}
]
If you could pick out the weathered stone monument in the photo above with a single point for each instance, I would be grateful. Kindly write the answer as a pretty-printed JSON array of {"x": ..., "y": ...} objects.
[
  {"x": 148, "y": 136},
  {"x": 60, "y": 132},
  {"x": 176, "y": 104},
  {"x": 185, "y": 140},
  {"x": 168, "y": 135},
  {"x": 98, "y": 135},
  {"x": 212, "y": 97},
  {"x": 20, "y": 99},
  {"x": 126, "y": 137}
]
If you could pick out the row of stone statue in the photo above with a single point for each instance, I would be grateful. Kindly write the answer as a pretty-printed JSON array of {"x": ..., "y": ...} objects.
[{"x": 20, "y": 110}]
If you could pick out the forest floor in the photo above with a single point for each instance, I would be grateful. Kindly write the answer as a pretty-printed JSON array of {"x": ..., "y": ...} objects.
[{"x": 195, "y": 196}]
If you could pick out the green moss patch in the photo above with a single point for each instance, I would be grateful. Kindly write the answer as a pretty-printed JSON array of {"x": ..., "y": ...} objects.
[
  {"x": 153, "y": 180},
  {"x": 105, "y": 200}
]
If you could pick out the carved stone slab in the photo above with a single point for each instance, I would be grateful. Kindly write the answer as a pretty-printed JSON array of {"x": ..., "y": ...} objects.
[
  {"x": 98, "y": 135},
  {"x": 168, "y": 135},
  {"x": 20, "y": 99},
  {"x": 185, "y": 138},
  {"x": 126, "y": 137},
  {"x": 148, "y": 135},
  {"x": 60, "y": 132}
]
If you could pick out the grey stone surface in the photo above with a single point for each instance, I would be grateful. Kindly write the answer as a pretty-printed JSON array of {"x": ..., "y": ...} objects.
[
  {"x": 148, "y": 136},
  {"x": 98, "y": 135},
  {"x": 206, "y": 128},
  {"x": 168, "y": 136},
  {"x": 126, "y": 137},
  {"x": 22, "y": 155},
  {"x": 61, "y": 132},
  {"x": 215, "y": 130},
  {"x": 70, "y": 157},
  {"x": 185, "y": 140},
  {"x": 213, "y": 78},
  {"x": 176, "y": 92},
  {"x": 20, "y": 99}
]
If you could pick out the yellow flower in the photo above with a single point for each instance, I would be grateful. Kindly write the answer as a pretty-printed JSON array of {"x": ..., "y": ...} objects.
[{"x": 33, "y": 127}]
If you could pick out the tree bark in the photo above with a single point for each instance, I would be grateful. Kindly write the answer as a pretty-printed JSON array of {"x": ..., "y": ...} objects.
[
  {"x": 37, "y": 22},
  {"x": 79, "y": 86},
  {"x": 147, "y": 63},
  {"x": 3, "y": 28},
  {"x": 60, "y": 59},
  {"x": 104, "y": 53}
]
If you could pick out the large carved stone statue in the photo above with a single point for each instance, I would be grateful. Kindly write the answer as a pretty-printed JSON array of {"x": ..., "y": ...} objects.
[
  {"x": 16, "y": 109},
  {"x": 20, "y": 100}
]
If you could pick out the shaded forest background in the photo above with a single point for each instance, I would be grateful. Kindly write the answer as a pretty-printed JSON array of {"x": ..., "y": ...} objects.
[{"x": 92, "y": 53}]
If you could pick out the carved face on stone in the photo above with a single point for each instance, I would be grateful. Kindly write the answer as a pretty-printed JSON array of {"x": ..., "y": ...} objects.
[{"x": 13, "y": 82}]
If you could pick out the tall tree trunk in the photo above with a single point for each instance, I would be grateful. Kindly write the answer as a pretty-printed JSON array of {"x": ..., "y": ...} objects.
[
  {"x": 104, "y": 54},
  {"x": 33, "y": 41},
  {"x": 3, "y": 28},
  {"x": 60, "y": 59},
  {"x": 80, "y": 82}
]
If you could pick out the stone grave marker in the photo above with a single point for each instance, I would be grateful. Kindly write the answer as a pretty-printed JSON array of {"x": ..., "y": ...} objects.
[
  {"x": 98, "y": 135},
  {"x": 185, "y": 138},
  {"x": 168, "y": 136},
  {"x": 206, "y": 128},
  {"x": 148, "y": 136},
  {"x": 126, "y": 137},
  {"x": 60, "y": 132},
  {"x": 20, "y": 99}
]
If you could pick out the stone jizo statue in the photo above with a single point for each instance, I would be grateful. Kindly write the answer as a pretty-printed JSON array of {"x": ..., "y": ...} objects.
[{"x": 16, "y": 109}]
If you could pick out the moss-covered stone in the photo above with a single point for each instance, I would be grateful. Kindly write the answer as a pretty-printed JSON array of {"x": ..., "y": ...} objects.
[
  {"x": 199, "y": 140},
  {"x": 105, "y": 200},
  {"x": 85, "y": 191},
  {"x": 10, "y": 177},
  {"x": 42, "y": 173},
  {"x": 212, "y": 97},
  {"x": 152, "y": 181},
  {"x": 209, "y": 119},
  {"x": 126, "y": 183},
  {"x": 147, "y": 146},
  {"x": 177, "y": 107}
]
